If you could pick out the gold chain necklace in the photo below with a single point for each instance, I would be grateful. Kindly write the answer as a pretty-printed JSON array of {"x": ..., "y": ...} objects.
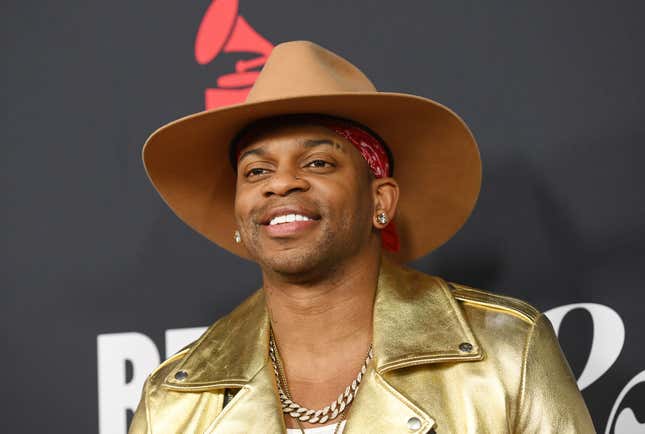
[{"x": 302, "y": 414}]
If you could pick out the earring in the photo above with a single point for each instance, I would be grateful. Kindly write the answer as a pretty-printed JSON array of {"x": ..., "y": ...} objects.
[
  {"x": 382, "y": 218},
  {"x": 237, "y": 237}
]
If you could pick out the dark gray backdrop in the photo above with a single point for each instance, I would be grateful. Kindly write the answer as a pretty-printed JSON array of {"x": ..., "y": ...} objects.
[{"x": 553, "y": 91}]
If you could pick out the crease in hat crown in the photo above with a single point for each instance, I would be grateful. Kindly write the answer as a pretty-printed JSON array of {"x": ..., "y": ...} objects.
[{"x": 302, "y": 68}]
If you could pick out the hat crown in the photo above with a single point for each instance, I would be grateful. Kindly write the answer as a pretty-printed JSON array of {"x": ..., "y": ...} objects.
[{"x": 302, "y": 68}]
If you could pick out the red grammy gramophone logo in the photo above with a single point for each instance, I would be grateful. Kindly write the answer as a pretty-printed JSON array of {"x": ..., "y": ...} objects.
[{"x": 223, "y": 30}]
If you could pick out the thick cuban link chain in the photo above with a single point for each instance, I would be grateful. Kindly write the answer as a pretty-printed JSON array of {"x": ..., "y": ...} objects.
[{"x": 323, "y": 415}]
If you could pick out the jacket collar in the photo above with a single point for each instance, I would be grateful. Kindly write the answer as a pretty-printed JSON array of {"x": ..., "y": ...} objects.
[
  {"x": 416, "y": 321},
  {"x": 230, "y": 353}
]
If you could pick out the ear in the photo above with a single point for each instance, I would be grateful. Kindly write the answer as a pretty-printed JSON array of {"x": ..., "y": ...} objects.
[{"x": 386, "y": 198}]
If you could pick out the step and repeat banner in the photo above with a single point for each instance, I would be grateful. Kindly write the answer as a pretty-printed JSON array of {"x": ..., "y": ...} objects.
[{"x": 101, "y": 282}]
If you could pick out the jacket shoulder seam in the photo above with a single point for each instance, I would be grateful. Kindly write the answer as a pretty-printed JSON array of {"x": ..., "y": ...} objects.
[{"x": 502, "y": 303}]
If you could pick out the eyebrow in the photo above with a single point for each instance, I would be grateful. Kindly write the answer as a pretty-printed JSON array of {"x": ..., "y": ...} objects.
[
  {"x": 257, "y": 151},
  {"x": 307, "y": 144},
  {"x": 312, "y": 143}
]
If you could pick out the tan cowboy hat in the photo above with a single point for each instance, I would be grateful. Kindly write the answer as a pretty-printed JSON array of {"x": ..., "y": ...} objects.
[{"x": 436, "y": 158}]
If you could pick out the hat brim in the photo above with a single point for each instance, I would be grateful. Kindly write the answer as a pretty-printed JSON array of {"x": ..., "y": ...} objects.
[{"x": 437, "y": 163}]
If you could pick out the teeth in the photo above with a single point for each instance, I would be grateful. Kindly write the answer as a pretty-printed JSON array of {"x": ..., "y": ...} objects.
[{"x": 288, "y": 218}]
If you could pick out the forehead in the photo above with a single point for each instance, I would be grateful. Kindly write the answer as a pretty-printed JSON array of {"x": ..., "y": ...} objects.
[
  {"x": 269, "y": 132},
  {"x": 297, "y": 134}
]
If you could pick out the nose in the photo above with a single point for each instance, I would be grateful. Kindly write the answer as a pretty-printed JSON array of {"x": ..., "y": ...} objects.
[{"x": 284, "y": 182}]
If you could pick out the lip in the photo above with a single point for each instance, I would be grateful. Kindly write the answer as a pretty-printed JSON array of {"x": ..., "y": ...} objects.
[
  {"x": 286, "y": 230},
  {"x": 289, "y": 229},
  {"x": 290, "y": 209}
]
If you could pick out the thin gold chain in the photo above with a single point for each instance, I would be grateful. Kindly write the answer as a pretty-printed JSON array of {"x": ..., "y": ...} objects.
[{"x": 283, "y": 379}]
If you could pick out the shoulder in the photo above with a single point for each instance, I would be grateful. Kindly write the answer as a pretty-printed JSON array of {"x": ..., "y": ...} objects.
[
  {"x": 495, "y": 317},
  {"x": 471, "y": 300},
  {"x": 512, "y": 333},
  {"x": 499, "y": 323},
  {"x": 505, "y": 326},
  {"x": 161, "y": 373},
  {"x": 477, "y": 299},
  {"x": 495, "y": 320}
]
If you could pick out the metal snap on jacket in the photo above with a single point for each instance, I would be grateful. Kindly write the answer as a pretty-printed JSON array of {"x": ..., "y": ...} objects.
[
  {"x": 181, "y": 375},
  {"x": 414, "y": 423},
  {"x": 466, "y": 347}
]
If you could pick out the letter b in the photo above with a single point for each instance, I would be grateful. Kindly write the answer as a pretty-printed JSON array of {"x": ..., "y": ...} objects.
[{"x": 116, "y": 394}]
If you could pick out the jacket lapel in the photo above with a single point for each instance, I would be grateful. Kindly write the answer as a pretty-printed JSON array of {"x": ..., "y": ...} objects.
[
  {"x": 416, "y": 321},
  {"x": 230, "y": 353},
  {"x": 254, "y": 409},
  {"x": 384, "y": 409},
  {"x": 233, "y": 353}
]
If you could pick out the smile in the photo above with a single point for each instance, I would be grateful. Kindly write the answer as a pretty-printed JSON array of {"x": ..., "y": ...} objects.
[{"x": 288, "y": 218}]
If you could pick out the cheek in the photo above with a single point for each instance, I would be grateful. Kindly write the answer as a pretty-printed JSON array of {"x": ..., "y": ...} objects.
[
  {"x": 241, "y": 204},
  {"x": 347, "y": 199}
]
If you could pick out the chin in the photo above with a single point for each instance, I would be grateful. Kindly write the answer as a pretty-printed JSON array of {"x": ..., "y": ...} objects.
[
  {"x": 291, "y": 262},
  {"x": 306, "y": 260},
  {"x": 304, "y": 263}
]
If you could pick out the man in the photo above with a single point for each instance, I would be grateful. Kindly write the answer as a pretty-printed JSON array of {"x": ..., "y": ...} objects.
[{"x": 341, "y": 337}]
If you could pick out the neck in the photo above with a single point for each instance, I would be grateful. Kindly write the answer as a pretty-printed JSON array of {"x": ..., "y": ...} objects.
[{"x": 324, "y": 320}]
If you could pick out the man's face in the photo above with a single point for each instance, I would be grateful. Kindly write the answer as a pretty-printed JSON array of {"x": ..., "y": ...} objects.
[{"x": 314, "y": 176}]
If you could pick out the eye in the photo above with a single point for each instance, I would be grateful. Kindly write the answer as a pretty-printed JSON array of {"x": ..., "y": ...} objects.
[
  {"x": 256, "y": 171},
  {"x": 319, "y": 164}
]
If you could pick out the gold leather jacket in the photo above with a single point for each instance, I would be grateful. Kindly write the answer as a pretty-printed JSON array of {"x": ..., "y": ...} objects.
[{"x": 456, "y": 359}]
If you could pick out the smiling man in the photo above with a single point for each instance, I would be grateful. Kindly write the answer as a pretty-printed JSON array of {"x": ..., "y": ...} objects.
[{"x": 341, "y": 337}]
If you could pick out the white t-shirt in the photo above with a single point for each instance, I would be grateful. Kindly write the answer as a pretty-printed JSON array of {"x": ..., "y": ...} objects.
[{"x": 327, "y": 429}]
